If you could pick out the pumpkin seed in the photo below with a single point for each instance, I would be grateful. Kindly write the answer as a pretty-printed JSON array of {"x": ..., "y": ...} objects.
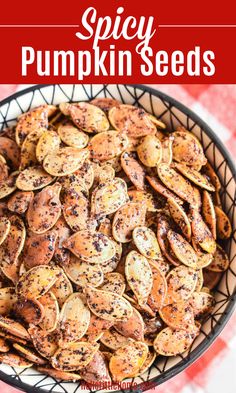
[
  {"x": 126, "y": 219},
  {"x": 88, "y": 117},
  {"x": 150, "y": 151},
  {"x": 131, "y": 120},
  {"x": 127, "y": 361},
  {"x": 178, "y": 315},
  {"x": 163, "y": 226},
  {"x": 4, "y": 347},
  {"x": 220, "y": 261},
  {"x": 171, "y": 342},
  {"x": 75, "y": 357},
  {"x": 13, "y": 327},
  {"x": 51, "y": 312},
  {"x": 45, "y": 209},
  {"x": 223, "y": 225},
  {"x": 180, "y": 217},
  {"x": 33, "y": 178},
  {"x": 194, "y": 176},
  {"x": 133, "y": 327},
  {"x": 83, "y": 273},
  {"x": 73, "y": 321},
  {"x": 187, "y": 148},
  {"x": 64, "y": 161},
  {"x": 107, "y": 305},
  {"x": 133, "y": 169},
  {"x": 48, "y": 143},
  {"x": 201, "y": 233},
  {"x": 75, "y": 208},
  {"x": 208, "y": 212},
  {"x": 36, "y": 281},
  {"x": 170, "y": 178},
  {"x": 28, "y": 149},
  {"x": 108, "y": 198},
  {"x": 39, "y": 249},
  {"x": 44, "y": 342},
  {"x": 202, "y": 303},
  {"x": 92, "y": 247},
  {"x": 182, "y": 249},
  {"x": 181, "y": 283},
  {"x": 139, "y": 275},
  {"x": 96, "y": 370},
  {"x": 146, "y": 242},
  {"x": 107, "y": 145},
  {"x": 159, "y": 289},
  {"x": 72, "y": 137}
]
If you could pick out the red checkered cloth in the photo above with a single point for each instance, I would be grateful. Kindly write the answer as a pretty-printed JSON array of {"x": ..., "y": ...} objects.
[{"x": 214, "y": 371}]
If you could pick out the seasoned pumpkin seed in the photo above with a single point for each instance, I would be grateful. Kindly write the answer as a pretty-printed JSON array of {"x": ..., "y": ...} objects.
[
  {"x": 220, "y": 261},
  {"x": 127, "y": 361},
  {"x": 107, "y": 145},
  {"x": 133, "y": 169},
  {"x": 64, "y": 161},
  {"x": 88, "y": 117},
  {"x": 146, "y": 242},
  {"x": 29, "y": 354},
  {"x": 171, "y": 342},
  {"x": 133, "y": 327},
  {"x": 131, "y": 120},
  {"x": 126, "y": 219},
  {"x": 73, "y": 321},
  {"x": 75, "y": 357},
  {"x": 107, "y": 305},
  {"x": 187, "y": 148},
  {"x": 48, "y": 143},
  {"x": 150, "y": 151},
  {"x": 37, "y": 281},
  {"x": 208, "y": 212},
  {"x": 182, "y": 249},
  {"x": 108, "y": 198},
  {"x": 33, "y": 178},
  {"x": 201, "y": 233},
  {"x": 45, "y": 209},
  {"x": 139, "y": 275},
  {"x": 72, "y": 137},
  {"x": 51, "y": 312},
  {"x": 83, "y": 273},
  {"x": 92, "y": 247},
  {"x": 113, "y": 282},
  {"x": 223, "y": 224}
]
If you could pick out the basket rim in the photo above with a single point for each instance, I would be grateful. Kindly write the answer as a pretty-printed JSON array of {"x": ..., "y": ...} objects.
[{"x": 202, "y": 347}]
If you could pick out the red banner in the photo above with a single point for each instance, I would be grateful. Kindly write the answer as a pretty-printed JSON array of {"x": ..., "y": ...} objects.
[{"x": 125, "y": 42}]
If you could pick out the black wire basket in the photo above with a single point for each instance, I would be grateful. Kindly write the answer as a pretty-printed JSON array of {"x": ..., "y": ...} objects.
[{"x": 173, "y": 114}]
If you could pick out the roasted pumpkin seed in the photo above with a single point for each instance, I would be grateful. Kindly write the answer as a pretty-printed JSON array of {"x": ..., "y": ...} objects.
[
  {"x": 127, "y": 361},
  {"x": 150, "y": 151},
  {"x": 72, "y": 137},
  {"x": 208, "y": 212},
  {"x": 146, "y": 242},
  {"x": 133, "y": 169},
  {"x": 182, "y": 249},
  {"x": 223, "y": 225},
  {"x": 139, "y": 275},
  {"x": 107, "y": 145},
  {"x": 131, "y": 120},
  {"x": 33, "y": 178},
  {"x": 75, "y": 357},
  {"x": 92, "y": 247},
  {"x": 107, "y": 305},
  {"x": 73, "y": 321},
  {"x": 126, "y": 219},
  {"x": 171, "y": 342},
  {"x": 64, "y": 161},
  {"x": 48, "y": 143}
]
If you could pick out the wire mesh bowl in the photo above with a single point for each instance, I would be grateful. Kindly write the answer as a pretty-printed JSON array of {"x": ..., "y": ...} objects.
[{"x": 173, "y": 114}]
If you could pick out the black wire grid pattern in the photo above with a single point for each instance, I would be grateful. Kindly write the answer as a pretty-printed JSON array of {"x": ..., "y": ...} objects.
[{"x": 173, "y": 114}]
